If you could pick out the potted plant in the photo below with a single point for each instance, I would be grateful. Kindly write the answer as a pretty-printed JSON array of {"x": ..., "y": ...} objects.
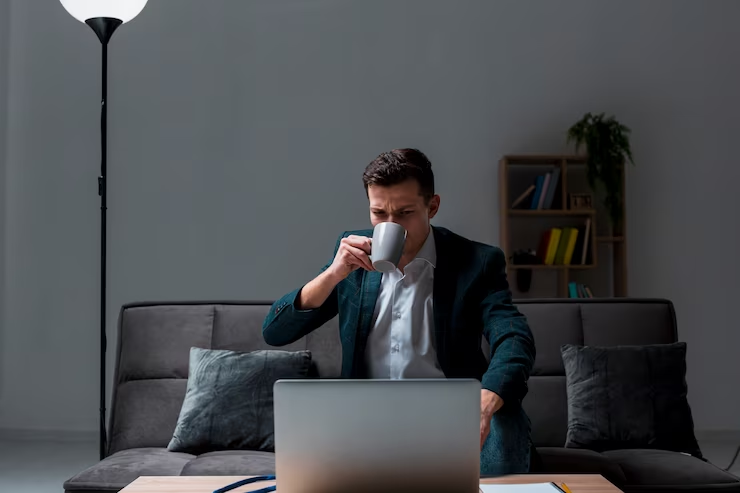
[{"x": 608, "y": 149}]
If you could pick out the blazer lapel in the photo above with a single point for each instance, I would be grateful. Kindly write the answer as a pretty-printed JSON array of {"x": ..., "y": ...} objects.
[
  {"x": 444, "y": 288},
  {"x": 368, "y": 298}
]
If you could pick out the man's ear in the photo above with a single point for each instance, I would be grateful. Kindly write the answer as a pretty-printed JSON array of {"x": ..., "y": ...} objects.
[{"x": 433, "y": 206}]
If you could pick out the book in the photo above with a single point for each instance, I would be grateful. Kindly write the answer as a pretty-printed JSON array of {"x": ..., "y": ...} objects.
[
  {"x": 575, "y": 290},
  {"x": 586, "y": 241},
  {"x": 578, "y": 290},
  {"x": 571, "y": 246},
  {"x": 552, "y": 188},
  {"x": 553, "y": 245},
  {"x": 537, "y": 192},
  {"x": 545, "y": 185},
  {"x": 580, "y": 255},
  {"x": 523, "y": 196},
  {"x": 541, "y": 252},
  {"x": 578, "y": 248},
  {"x": 572, "y": 290},
  {"x": 562, "y": 246}
]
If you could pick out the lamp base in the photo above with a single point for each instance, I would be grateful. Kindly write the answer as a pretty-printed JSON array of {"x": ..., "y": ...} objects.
[{"x": 104, "y": 27}]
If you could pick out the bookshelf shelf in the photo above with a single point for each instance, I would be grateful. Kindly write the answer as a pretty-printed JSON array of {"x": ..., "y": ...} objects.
[
  {"x": 535, "y": 193},
  {"x": 551, "y": 212},
  {"x": 551, "y": 267},
  {"x": 543, "y": 159}
]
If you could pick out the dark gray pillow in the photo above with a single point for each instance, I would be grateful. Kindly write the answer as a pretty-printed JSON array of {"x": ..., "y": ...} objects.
[
  {"x": 229, "y": 402},
  {"x": 628, "y": 397}
]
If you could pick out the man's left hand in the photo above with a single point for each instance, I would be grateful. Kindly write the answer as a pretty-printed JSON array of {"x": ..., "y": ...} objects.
[{"x": 490, "y": 402}]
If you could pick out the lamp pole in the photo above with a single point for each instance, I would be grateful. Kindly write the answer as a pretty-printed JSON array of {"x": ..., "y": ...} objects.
[
  {"x": 103, "y": 17},
  {"x": 104, "y": 27}
]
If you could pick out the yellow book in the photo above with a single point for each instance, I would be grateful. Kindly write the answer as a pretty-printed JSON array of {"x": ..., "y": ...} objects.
[
  {"x": 560, "y": 252},
  {"x": 571, "y": 246},
  {"x": 553, "y": 246}
]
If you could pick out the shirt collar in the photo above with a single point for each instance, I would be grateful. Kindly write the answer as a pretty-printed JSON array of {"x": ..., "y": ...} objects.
[{"x": 428, "y": 250}]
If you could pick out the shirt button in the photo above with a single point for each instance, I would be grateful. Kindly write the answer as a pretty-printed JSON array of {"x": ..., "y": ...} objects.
[{"x": 397, "y": 315}]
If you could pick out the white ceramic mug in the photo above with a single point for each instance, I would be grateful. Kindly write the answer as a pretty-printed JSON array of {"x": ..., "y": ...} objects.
[{"x": 389, "y": 239}]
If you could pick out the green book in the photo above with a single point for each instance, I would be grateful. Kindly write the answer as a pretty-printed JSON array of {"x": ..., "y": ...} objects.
[
  {"x": 563, "y": 246},
  {"x": 573, "y": 289}
]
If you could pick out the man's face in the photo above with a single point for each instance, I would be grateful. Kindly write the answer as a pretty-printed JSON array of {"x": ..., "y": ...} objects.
[{"x": 403, "y": 204}]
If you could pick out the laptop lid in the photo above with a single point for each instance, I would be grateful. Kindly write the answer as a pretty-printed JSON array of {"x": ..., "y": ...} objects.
[{"x": 360, "y": 436}]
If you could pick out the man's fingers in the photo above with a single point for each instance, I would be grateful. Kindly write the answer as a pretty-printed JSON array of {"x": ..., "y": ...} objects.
[
  {"x": 360, "y": 257},
  {"x": 361, "y": 242},
  {"x": 485, "y": 430}
]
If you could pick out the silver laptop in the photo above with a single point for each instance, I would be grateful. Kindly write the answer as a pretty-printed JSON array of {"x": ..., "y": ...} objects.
[{"x": 373, "y": 436}]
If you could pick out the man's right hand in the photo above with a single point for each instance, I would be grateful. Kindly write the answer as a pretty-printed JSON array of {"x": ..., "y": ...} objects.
[{"x": 352, "y": 254}]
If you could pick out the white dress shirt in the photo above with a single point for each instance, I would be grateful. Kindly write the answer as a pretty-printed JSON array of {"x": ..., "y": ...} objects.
[{"x": 401, "y": 344}]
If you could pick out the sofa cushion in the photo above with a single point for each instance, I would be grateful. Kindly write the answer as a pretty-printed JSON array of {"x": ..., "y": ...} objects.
[
  {"x": 628, "y": 397},
  {"x": 552, "y": 325},
  {"x": 654, "y": 470},
  {"x": 239, "y": 328},
  {"x": 145, "y": 413},
  {"x": 559, "y": 460},
  {"x": 635, "y": 322},
  {"x": 546, "y": 404},
  {"x": 326, "y": 349},
  {"x": 231, "y": 463},
  {"x": 116, "y": 471},
  {"x": 229, "y": 400},
  {"x": 154, "y": 343}
]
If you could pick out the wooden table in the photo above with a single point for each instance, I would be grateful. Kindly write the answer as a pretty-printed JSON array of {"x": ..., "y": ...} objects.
[{"x": 578, "y": 483}]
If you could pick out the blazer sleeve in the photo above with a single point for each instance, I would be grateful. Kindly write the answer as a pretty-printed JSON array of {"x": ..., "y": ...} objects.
[
  {"x": 285, "y": 323},
  {"x": 508, "y": 333}
]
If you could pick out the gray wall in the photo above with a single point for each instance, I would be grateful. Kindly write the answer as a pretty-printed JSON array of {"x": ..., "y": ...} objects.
[
  {"x": 4, "y": 39},
  {"x": 238, "y": 133}
]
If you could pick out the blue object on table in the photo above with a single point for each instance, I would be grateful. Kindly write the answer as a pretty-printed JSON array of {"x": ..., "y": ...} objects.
[{"x": 255, "y": 479}]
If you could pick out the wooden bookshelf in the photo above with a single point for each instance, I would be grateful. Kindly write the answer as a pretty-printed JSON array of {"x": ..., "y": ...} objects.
[
  {"x": 521, "y": 228},
  {"x": 551, "y": 212}
]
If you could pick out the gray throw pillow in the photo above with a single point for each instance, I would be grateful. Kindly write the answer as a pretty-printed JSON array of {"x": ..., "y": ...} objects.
[
  {"x": 229, "y": 401},
  {"x": 628, "y": 397}
]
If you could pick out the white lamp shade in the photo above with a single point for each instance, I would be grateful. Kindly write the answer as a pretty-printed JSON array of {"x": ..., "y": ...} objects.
[{"x": 124, "y": 10}]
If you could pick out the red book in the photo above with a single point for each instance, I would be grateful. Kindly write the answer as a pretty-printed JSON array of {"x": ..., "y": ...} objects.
[{"x": 544, "y": 244}]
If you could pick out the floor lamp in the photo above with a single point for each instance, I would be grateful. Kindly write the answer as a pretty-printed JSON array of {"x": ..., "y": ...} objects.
[{"x": 104, "y": 17}]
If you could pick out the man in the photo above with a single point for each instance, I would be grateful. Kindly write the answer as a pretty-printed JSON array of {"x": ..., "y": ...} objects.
[{"x": 424, "y": 320}]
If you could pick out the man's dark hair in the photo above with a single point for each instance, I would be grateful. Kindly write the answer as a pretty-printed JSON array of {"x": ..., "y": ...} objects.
[{"x": 399, "y": 165}]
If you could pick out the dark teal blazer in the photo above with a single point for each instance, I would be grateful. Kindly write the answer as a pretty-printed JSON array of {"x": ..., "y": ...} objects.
[{"x": 471, "y": 300}]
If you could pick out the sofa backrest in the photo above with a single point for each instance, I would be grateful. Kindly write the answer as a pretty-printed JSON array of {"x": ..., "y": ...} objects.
[{"x": 154, "y": 341}]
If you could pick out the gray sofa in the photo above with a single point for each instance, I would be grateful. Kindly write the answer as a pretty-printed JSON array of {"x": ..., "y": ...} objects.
[{"x": 152, "y": 368}]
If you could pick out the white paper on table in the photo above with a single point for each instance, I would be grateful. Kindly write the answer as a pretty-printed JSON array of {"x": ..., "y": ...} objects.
[{"x": 519, "y": 488}]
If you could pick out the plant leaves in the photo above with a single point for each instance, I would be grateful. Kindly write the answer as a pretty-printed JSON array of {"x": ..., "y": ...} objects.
[{"x": 608, "y": 147}]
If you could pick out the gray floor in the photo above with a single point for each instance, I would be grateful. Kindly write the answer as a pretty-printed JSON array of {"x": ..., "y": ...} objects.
[{"x": 42, "y": 466}]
